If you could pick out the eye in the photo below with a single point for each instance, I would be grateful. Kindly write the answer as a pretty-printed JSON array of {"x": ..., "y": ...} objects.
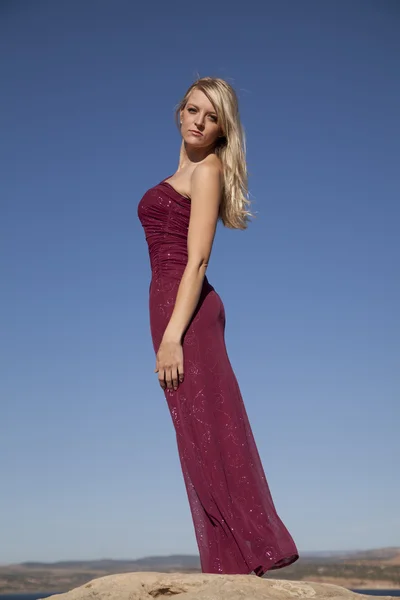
[
  {"x": 191, "y": 109},
  {"x": 213, "y": 118}
]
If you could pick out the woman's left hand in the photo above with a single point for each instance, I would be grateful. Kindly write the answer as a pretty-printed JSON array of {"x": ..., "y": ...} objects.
[{"x": 169, "y": 364}]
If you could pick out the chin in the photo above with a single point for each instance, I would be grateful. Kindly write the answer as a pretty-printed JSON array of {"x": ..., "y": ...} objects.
[{"x": 193, "y": 141}]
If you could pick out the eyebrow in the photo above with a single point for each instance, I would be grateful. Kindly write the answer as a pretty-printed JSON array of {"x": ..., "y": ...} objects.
[{"x": 195, "y": 106}]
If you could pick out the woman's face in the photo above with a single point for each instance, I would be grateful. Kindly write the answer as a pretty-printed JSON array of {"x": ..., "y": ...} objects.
[{"x": 200, "y": 127}]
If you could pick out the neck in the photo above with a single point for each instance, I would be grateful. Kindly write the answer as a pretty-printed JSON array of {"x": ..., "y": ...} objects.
[{"x": 191, "y": 156}]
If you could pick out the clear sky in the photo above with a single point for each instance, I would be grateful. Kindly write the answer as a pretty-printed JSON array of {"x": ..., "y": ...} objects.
[{"x": 88, "y": 459}]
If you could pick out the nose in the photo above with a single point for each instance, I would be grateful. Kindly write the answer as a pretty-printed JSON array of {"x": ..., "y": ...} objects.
[{"x": 199, "y": 121}]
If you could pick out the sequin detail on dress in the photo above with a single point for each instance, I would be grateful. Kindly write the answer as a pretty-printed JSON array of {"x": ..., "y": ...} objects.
[{"x": 236, "y": 524}]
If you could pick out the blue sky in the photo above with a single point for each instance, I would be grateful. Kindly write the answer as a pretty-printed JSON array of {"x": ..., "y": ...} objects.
[{"x": 88, "y": 458}]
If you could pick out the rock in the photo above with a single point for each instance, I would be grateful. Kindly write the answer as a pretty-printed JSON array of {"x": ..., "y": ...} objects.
[{"x": 151, "y": 586}]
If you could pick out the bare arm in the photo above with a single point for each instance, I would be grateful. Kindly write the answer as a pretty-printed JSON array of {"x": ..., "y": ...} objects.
[{"x": 205, "y": 199}]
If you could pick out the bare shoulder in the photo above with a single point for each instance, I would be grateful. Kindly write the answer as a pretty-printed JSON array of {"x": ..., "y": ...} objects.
[{"x": 208, "y": 171}]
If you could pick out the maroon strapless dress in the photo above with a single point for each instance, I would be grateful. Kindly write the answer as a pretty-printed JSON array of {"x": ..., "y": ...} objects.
[{"x": 237, "y": 527}]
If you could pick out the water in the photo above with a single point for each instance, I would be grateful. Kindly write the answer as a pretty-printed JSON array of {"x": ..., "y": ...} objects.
[
  {"x": 36, "y": 596},
  {"x": 23, "y": 596},
  {"x": 373, "y": 592}
]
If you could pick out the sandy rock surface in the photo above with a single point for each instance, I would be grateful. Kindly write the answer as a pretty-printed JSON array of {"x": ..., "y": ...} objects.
[{"x": 150, "y": 586}]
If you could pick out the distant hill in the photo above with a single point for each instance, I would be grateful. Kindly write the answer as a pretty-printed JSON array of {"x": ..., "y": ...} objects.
[
  {"x": 387, "y": 555},
  {"x": 148, "y": 563},
  {"x": 188, "y": 561}
]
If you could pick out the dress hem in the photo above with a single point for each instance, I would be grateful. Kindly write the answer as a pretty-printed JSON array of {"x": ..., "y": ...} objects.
[{"x": 260, "y": 570}]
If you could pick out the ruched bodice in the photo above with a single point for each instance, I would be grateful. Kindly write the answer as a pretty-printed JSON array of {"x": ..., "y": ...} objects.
[
  {"x": 236, "y": 524},
  {"x": 164, "y": 214}
]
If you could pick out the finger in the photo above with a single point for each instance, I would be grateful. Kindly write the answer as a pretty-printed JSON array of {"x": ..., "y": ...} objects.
[
  {"x": 168, "y": 379},
  {"x": 181, "y": 373},
  {"x": 161, "y": 378},
  {"x": 175, "y": 378}
]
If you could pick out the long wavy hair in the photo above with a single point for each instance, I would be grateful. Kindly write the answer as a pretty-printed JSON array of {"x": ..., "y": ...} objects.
[{"x": 230, "y": 148}]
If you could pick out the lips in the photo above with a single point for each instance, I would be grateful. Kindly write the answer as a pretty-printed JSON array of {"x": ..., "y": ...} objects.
[{"x": 196, "y": 132}]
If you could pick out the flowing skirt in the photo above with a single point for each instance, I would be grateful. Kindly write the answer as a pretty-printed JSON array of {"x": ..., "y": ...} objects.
[{"x": 237, "y": 527}]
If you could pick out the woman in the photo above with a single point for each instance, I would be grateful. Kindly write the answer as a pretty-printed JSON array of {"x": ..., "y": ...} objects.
[{"x": 236, "y": 524}]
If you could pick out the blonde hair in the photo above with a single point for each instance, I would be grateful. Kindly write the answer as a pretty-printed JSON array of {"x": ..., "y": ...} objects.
[{"x": 230, "y": 148}]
